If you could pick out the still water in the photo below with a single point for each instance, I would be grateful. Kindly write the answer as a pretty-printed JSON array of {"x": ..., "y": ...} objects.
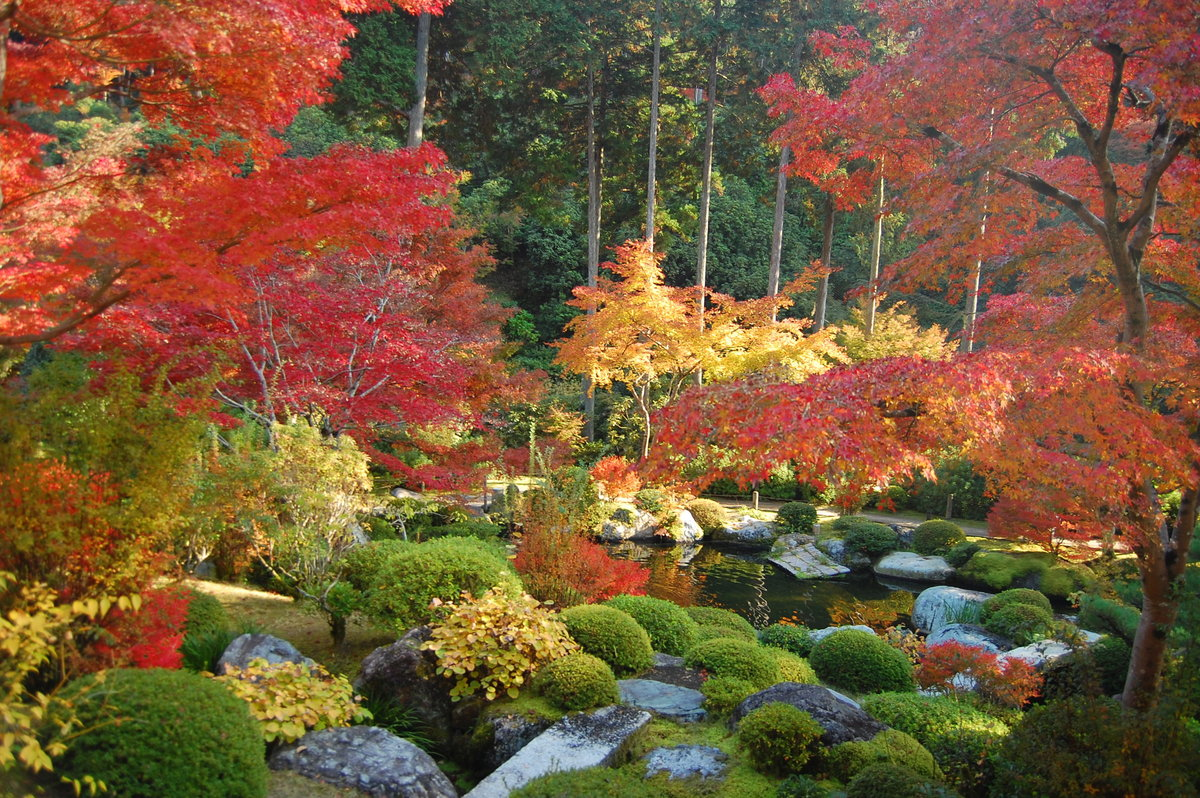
[{"x": 745, "y": 583}]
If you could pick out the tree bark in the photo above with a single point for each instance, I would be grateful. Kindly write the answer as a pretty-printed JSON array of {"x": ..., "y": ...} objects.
[
  {"x": 654, "y": 94},
  {"x": 876, "y": 250},
  {"x": 593, "y": 239},
  {"x": 710, "y": 114},
  {"x": 777, "y": 228},
  {"x": 416, "y": 117},
  {"x": 826, "y": 264}
]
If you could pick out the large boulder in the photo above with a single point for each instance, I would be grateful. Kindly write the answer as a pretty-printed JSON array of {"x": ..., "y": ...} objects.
[
  {"x": 406, "y": 673},
  {"x": 249, "y": 647},
  {"x": 842, "y": 718},
  {"x": 365, "y": 758},
  {"x": 687, "y": 530},
  {"x": 938, "y": 606},
  {"x": 746, "y": 531},
  {"x": 910, "y": 565},
  {"x": 1039, "y": 654},
  {"x": 968, "y": 634},
  {"x": 506, "y": 734},
  {"x": 672, "y": 701},
  {"x": 629, "y": 524}
]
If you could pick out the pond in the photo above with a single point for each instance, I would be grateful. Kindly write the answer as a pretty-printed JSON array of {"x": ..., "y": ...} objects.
[{"x": 746, "y": 583}]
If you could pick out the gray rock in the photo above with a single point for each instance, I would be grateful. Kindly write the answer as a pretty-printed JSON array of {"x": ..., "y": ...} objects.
[
  {"x": 1039, "y": 654},
  {"x": 797, "y": 555},
  {"x": 365, "y": 758},
  {"x": 746, "y": 531},
  {"x": 910, "y": 565},
  {"x": 968, "y": 634},
  {"x": 842, "y": 719},
  {"x": 687, "y": 530},
  {"x": 817, "y": 635},
  {"x": 574, "y": 743},
  {"x": 835, "y": 548},
  {"x": 671, "y": 701},
  {"x": 248, "y": 647},
  {"x": 509, "y": 734},
  {"x": 629, "y": 524},
  {"x": 405, "y": 493},
  {"x": 687, "y": 761},
  {"x": 937, "y": 606},
  {"x": 406, "y": 673}
]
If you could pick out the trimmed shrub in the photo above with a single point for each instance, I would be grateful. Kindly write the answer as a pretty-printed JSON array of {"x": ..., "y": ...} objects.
[
  {"x": 707, "y": 631},
  {"x": 362, "y": 563},
  {"x": 789, "y": 667},
  {"x": 871, "y": 539},
  {"x": 1021, "y": 623},
  {"x": 1097, "y": 670},
  {"x": 859, "y": 661},
  {"x": 891, "y": 745},
  {"x": 796, "y": 517},
  {"x": 718, "y": 616},
  {"x": 204, "y": 614},
  {"x": 651, "y": 500},
  {"x": 961, "y": 553},
  {"x": 483, "y": 530},
  {"x": 411, "y": 577},
  {"x": 736, "y": 658},
  {"x": 723, "y": 693},
  {"x": 999, "y": 571},
  {"x": 937, "y": 537},
  {"x": 795, "y": 639},
  {"x": 153, "y": 733},
  {"x": 1109, "y": 617},
  {"x": 847, "y": 522},
  {"x": 886, "y": 780},
  {"x": 671, "y": 629},
  {"x": 779, "y": 738},
  {"x": 578, "y": 681},
  {"x": 1091, "y": 746},
  {"x": 611, "y": 635},
  {"x": 711, "y": 516},
  {"x": 1019, "y": 595}
]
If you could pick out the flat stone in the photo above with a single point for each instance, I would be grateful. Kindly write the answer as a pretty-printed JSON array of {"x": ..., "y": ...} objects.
[
  {"x": 817, "y": 635},
  {"x": 248, "y": 647},
  {"x": 797, "y": 555},
  {"x": 687, "y": 761},
  {"x": 842, "y": 719},
  {"x": 671, "y": 701},
  {"x": 968, "y": 634},
  {"x": 576, "y": 742},
  {"x": 910, "y": 565},
  {"x": 1039, "y": 654},
  {"x": 938, "y": 606}
]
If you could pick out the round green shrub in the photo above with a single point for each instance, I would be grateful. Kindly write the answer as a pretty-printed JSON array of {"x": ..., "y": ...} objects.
[
  {"x": 611, "y": 635},
  {"x": 706, "y": 631},
  {"x": 847, "y": 522},
  {"x": 796, "y": 517},
  {"x": 871, "y": 539},
  {"x": 999, "y": 571},
  {"x": 1019, "y": 595},
  {"x": 723, "y": 693},
  {"x": 1109, "y": 617},
  {"x": 800, "y": 786},
  {"x": 578, "y": 681},
  {"x": 651, "y": 500},
  {"x": 153, "y": 733},
  {"x": 1021, "y": 623},
  {"x": 937, "y": 537},
  {"x": 795, "y": 639},
  {"x": 844, "y": 761},
  {"x": 362, "y": 563},
  {"x": 711, "y": 516},
  {"x": 718, "y": 616},
  {"x": 736, "y": 658},
  {"x": 598, "y": 782},
  {"x": 483, "y": 530},
  {"x": 1097, "y": 670},
  {"x": 412, "y": 576},
  {"x": 671, "y": 629},
  {"x": 1062, "y": 580},
  {"x": 887, "y": 780},
  {"x": 1091, "y": 746},
  {"x": 960, "y": 554},
  {"x": 205, "y": 615},
  {"x": 861, "y": 662},
  {"x": 779, "y": 738},
  {"x": 790, "y": 668}
]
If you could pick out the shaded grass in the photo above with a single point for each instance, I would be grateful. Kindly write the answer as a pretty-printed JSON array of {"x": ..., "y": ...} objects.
[{"x": 287, "y": 784}]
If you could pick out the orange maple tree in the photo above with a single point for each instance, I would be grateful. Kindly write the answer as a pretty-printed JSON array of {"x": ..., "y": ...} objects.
[{"x": 1072, "y": 126}]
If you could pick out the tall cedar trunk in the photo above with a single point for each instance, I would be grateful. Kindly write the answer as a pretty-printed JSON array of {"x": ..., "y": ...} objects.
[
  {"x": 416, "y": 117},
  {"x": 642, "y": 393},
  {"x": 826, "y": 264},
  {"x": 777, "y": 228},
  {"x": 654, "y": 92},
  {"x": 971, "y": 312},
  {"x": 593, "y": 238},
  {"x": 710, "y": 115},
  {"x": 876, "y": 250}
]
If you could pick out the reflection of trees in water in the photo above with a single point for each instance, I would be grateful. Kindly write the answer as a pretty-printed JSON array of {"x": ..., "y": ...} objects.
[
  {"x": 749, "y": 575},
  {"x": 671, "y": 577}
]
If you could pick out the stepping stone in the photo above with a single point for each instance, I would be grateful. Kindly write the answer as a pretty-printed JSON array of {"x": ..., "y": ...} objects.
[
  {"x": 687, "y": 761},
  {"x": 576, "y": 742},
  {"x": 798, "y": 556},
  {"x": 682, "y": 704},
  {"x": 910, "y": 565}
]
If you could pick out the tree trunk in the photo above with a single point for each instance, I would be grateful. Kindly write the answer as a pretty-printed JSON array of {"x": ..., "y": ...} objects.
[
  {"x": 876, "y": 249},
  {"x": 777, "y": 229},
  {"x": 654, "y": 93},
  {"x": 710, "y": 114},
  {"x": 826, "y": 264},
  {"x": 593, "y": 237},
  {"x": 643, "y": 399},
  {"x": 416, "y": 117}
]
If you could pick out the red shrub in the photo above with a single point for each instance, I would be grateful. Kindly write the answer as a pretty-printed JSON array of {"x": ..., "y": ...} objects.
[
  {"x": 568, "y": 569},
  {"x": 1010, "y": 684},
  {"x": 149, "y": 637},
  {"x": 616, "y": 476}
]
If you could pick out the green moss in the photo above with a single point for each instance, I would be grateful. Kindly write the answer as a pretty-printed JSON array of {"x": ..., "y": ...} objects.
[
  {"x": 611, "y": 635},
  {"x": 600, "y": 782},
  {"x": 1062, "y": 580},
  {"x": 859, "y": 661},
  {"x": 671, "y": 629},
  {"x": 998, "y": 570}
]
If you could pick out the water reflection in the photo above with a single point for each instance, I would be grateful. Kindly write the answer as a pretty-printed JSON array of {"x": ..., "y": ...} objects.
[{"x": 746, "y": 583}]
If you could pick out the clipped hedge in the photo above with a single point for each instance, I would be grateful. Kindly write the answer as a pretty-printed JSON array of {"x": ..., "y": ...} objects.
[
  {"x": 779, "y": 738},
  {"x": 719, "y": 616},
  {"x": 722, "y": 694},
  {"x": 736, "y": 658},
  {"x": 791, "y": 668},
  {"x": 611, "y": 635},
  {"x": 871, "y": 539},
  {"x": 888, "y": 780},
  {"x": 937, "y": 537},
  {"x": 1109, "y": 617},
  {"x": 861, "y": 662},
  {"x": 846, "y": 760},
  {"x": 710, "y": 515},
  {"x": 796, "y": 517},
  {"x": 795, "y": 639},
  {"x": 671, "y": 629},
  {"x": 578, "y": 681},
  {"x": 1019, "y": 595},
  {"x": 1021, "y": 623}
]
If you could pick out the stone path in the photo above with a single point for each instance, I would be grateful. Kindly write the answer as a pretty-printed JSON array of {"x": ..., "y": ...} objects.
[
  {"x": 671, "y": 701},
  {"x": 797, "y": 555}
]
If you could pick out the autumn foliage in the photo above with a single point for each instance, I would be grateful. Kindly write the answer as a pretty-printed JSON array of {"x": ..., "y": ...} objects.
[{"x": 955, "y": 668}]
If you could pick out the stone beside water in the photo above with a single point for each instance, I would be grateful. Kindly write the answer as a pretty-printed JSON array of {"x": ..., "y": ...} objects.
[{"x": 797, "y": 555}]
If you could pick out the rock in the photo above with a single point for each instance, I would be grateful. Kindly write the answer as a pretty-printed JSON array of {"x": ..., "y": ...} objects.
[
  {"x": 574, "y": 743},
  {"x": 835, "y": 548},
  {"x": 247, "y": 647},
  {"x": 404, "y": 672},
  {"x": 687, "y": 761},
  {"x": 687, "y": 530},
  {"x": 358, "y": 534},
  {"x": 365, "y": 758},
  {"x": 509, "y": 734},
  {"x": 904, "y": 533},
  {"x": 842, "y": 719},
  {"x": 746, "y": 531},
  {"x": 797, "y": 555},
  {"x": 682, "y": 704},
  {"x": 629, "y": 524},
  {"x": 910, "y": 565},
  {"x": 937, "y": 606},
  {"x": 817, "y": 635},
  {"x": 1039, "y": 654},
  {"x": 671, "y": 670},
  {"x": 968, "y": 634},
  {"x": 405, "y": 493}
]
